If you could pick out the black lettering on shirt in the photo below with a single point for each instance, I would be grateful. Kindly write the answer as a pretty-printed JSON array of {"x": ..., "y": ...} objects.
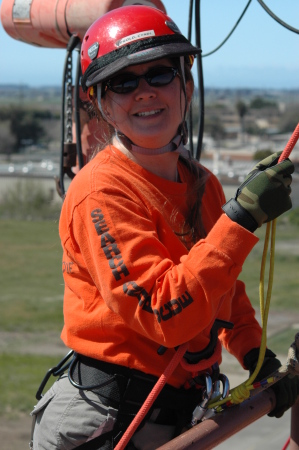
[
  {"x": 173, "y": 307},
  {"x": 112, "y": 251},
  {"x": 99, "y": 221},
  {"x": 67, "y": 266},
  {"x": 176, "y": 306},
  {"x": 119, "y": 269},
  {"x": 167, "y": 314},
  {"x": 144, "y": 299},
  {"x": 109, "y": 245},
  {"x": 186, "y": 299}
]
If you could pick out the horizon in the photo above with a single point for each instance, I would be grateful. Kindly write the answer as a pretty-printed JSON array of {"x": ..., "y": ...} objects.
[{"x": 226, "y": 88}]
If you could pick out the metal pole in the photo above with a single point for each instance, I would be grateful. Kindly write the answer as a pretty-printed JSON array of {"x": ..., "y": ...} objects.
[
  {"x": 214, "y": 431},
  {"x": 294, "y": 442}
]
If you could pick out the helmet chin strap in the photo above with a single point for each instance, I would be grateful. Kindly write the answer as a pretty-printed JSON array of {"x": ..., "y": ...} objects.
[{"x": 176, "y": 145}]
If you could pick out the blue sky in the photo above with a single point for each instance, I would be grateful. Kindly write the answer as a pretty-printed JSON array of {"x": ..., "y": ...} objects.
[{"x": 260, "y": 54}]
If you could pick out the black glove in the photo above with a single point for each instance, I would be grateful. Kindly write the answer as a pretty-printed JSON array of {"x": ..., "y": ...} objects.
[
  {"x": 286, "y": 390},
  {"x": 264, "y": 195}
]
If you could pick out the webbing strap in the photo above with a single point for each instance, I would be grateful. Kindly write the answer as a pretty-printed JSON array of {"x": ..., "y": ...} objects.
[{"x": 103, "y": 442}]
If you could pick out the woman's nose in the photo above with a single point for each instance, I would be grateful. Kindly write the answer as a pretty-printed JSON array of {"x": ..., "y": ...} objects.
[{"x": 144, "y": 90}]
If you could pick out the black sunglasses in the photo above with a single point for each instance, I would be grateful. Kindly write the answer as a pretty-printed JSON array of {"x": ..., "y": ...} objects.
[{"x": 128, "y": 82}]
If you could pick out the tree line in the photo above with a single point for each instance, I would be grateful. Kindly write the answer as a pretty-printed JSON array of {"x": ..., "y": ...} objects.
[{"x": 20, "y": 127}]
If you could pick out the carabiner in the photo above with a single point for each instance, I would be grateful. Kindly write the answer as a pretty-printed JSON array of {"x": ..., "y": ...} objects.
[
  {"x": 201, "y": 409},
  {"x": 219, "y": 392}
]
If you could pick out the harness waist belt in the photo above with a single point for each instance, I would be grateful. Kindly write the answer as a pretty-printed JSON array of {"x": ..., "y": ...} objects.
[{"x": 115, "y": 384}]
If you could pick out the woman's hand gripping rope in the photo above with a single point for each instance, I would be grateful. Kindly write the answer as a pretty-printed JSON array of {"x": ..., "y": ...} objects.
[
  {"x": 283, "y": 379},
  {"x": 286, "y": 391}
]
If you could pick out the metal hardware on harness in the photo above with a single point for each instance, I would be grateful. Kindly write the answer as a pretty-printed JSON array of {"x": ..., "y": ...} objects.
[
  {"x": 222, "y": 379},
  {"x": 201, "y": 409},
  {"x": 56, "y": 371},
  {"x": 226, "y": 386},
  {"x": 218, "y": 393},
  {"x": 195, "y": 357}
]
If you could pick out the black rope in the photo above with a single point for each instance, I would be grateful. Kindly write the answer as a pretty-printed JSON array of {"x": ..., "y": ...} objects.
[
  {"x": 190, "y": 20},
  {"x": 230, "y": 33},
  {"x": 281, "y": 22},
  {"x": 61, "y": 172},
  {"x": 200, "y": 82},
  {"x": 190, "y": 117},
  {"x": 77, "y": 114}
]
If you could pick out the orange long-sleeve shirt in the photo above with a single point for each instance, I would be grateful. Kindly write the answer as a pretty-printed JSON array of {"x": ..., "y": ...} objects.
[{"x": 130, "y": 283}]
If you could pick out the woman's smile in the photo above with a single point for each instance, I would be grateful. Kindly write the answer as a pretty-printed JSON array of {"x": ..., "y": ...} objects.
[{"x": 154, "y": 112}]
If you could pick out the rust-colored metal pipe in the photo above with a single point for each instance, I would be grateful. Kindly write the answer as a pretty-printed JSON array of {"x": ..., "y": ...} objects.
[
  {"x": 214, "y": 431},
  {"x": 50, "y": 23},
  {"x": 294, "y": 441}
]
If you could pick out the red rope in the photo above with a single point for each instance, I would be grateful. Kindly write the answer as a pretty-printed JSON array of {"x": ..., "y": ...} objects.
[
  {"x": 286, "y": 444},
  {"x": 290, "y": 145},
  {"x": 152, "y": 397}
]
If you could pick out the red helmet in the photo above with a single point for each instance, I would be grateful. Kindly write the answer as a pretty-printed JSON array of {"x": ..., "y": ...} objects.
[{"x": 127, "y": 36}]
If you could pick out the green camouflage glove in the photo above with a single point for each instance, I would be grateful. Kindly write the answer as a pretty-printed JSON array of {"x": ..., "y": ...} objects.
[
  {"x": 264, "y": 195},
  {"x": 286, "y": 390}
]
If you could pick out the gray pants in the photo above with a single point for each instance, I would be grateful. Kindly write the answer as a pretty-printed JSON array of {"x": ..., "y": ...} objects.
[{"x": 67, "y": 417}]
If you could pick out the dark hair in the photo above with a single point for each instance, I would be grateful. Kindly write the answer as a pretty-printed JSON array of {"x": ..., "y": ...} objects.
[{"x": 193, "y": 227}]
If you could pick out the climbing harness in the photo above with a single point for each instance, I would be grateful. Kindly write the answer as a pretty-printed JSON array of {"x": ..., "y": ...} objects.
[{"x": 195, "y": 369}]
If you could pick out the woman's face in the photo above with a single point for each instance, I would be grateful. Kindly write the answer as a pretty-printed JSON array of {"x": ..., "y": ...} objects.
[{"x": 149, "y": 116}]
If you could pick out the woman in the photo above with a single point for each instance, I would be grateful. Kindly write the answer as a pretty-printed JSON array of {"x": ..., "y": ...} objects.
[{"x": 150, "y": 260}]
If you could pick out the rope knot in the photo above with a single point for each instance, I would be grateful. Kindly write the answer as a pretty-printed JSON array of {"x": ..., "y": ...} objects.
[{"x": 240, "y": 393}]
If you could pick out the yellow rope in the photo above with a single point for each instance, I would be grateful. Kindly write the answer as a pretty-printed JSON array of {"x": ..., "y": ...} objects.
[{"x": 242, "y": 392}]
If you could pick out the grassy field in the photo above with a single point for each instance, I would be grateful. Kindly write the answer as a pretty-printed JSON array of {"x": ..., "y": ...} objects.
[
  {"x": 285, "y": 285},
  {"x": 31, "y": 303},
  {"x": 31, "y": 279},
  {"x": 32, "y": 294}
]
